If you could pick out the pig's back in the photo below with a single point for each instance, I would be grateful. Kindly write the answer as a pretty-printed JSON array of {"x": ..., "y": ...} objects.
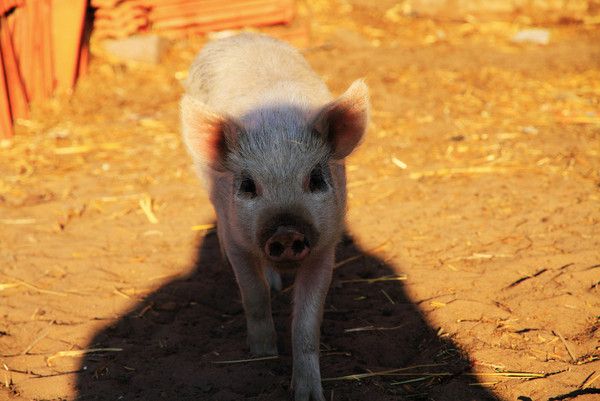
[{"x": 243, "y": 72}]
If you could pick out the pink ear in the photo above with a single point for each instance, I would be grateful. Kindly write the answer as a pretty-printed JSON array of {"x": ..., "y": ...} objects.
[
  {"x": 208, "y": 136},
  {"x": 344, "y": 121}
]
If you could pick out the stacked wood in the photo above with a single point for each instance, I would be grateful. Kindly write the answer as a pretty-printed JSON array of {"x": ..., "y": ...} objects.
[
  {"x": 44, "y": 43},
  {"x": 118, "y": 18},
  {"x": 41, "y": 49}
]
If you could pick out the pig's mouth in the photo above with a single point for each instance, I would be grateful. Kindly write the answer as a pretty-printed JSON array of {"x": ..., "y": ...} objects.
[{"x": 286, "y": 239}]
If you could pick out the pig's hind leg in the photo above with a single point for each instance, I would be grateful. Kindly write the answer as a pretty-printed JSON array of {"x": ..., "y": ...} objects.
[{"x": 256, "y": 298}]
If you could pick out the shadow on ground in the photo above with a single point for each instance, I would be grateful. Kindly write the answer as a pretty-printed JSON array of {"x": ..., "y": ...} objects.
[{"x": 172, "y": 339}]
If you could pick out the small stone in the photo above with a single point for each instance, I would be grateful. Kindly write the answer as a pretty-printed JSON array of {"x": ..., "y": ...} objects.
[
  {"x": 6, "y": 143},
  {"x": 167, "y": 306},
  {"x": 529, "y": 129},
  {"x": 537, "y": 36}
]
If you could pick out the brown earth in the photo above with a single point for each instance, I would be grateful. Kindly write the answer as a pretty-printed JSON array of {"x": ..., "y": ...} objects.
[{"x": 476, "y": 195}]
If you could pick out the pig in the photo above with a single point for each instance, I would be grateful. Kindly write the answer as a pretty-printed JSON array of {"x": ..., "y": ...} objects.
[{"x": 269, "y": 141}]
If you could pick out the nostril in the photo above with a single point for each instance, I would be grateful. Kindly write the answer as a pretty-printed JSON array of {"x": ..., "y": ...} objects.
[
  {"x": 276, "y": 249},
  {"x": 298, "y": 246}
]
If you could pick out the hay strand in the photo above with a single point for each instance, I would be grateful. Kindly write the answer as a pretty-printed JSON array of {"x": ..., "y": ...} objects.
[
  {"x": 392, "y": 277},
  {"x": 473, "y": 170},
  {"x": 234, "y": 361},
  {"x": 371, "y": 328},
  {"x": 421, "y": 378},
  {"x": 204, "y": 227},
  {"x": 30, "y": 286},
  {"x": 359, "y": 376},
  {"x": 568, "y": 348},
  {"x": 37, "y": 339},
  {"x": 588, "y": 382},
  {"x": 146, "y": 206},
  {"x": 79, "y": 352}
]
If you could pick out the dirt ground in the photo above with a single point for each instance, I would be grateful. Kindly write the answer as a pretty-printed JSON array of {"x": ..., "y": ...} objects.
[{"x": 473, "y": 267}]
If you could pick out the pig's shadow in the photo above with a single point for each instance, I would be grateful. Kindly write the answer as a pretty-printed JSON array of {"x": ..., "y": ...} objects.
[{"x": 172, "y": 339}]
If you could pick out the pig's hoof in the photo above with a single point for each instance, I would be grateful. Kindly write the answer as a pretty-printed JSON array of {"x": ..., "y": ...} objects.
[
  {"x": 262, "y": 338},
  {"x": 307, "y": 390},
  {"x": 263, "y": 348},
  {"x": 263, "y": 344},
  {"x": 274, "y": 279}
]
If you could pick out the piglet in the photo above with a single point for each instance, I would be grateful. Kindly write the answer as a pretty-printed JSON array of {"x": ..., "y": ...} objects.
[{"x": 269, "y": 141}]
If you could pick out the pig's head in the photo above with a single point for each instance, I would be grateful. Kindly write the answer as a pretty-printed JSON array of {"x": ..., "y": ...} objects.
[{"x": 276, "y": 175}]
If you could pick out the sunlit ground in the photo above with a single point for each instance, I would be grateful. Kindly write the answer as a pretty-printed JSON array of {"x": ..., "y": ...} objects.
[{"x": 478, "y": 183}]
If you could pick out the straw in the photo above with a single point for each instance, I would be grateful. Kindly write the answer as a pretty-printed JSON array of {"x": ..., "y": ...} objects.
[
  {"x": 146, "y": 205},
  {"x": 234, "y": 361},
  {"x": 79, "y": 352},
  {"x": 359, "y": 376}
]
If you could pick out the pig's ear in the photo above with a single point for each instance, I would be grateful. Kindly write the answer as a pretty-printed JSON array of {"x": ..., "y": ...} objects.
[
  {"x": 343, "y": 122},
  {"x": 207, "y": 135}
]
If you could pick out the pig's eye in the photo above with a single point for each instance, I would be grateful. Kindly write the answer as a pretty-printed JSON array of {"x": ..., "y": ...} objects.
[
  {"x": 248, "y": 186},
  {"x": 316, "y": 180}
]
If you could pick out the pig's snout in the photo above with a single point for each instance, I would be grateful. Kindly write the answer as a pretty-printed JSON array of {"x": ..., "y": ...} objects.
[
  {"x": 287, "y": 238},
  {"x": 287, "y": 245}
]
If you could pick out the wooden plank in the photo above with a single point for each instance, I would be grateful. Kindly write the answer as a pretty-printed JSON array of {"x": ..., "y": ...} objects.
[
  {"x": 6, "y": 122},
  {"x": 84, "y": 52},
  {"x": 68, "y": 19},
  {"x": 212, "y": 9},
  {"x": 105, "y": 29},
  {"x": 228, "y": 20},
  {"x": 37, "y": 40},
  {"x": 48, "y": 67},
  {"x": 25, "y": 52},
  {"x": 126, "y": 10},
  {"x": 14, "y": 83},
  {"x": 125, "y": 18}
]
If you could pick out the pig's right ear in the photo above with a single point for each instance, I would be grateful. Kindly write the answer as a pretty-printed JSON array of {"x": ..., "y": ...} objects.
[{"x": 208, "y": 136}]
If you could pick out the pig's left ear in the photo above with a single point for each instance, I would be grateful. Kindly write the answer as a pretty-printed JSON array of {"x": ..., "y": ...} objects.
[
  {"x": 208, "y": 136},
  {"x": 343, "y": 122}
]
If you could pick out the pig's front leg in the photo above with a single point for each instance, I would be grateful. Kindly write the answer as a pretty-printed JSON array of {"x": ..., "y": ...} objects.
[
  {"x": 256, "y": 298},
  {"x": 311, "y": 285}
]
